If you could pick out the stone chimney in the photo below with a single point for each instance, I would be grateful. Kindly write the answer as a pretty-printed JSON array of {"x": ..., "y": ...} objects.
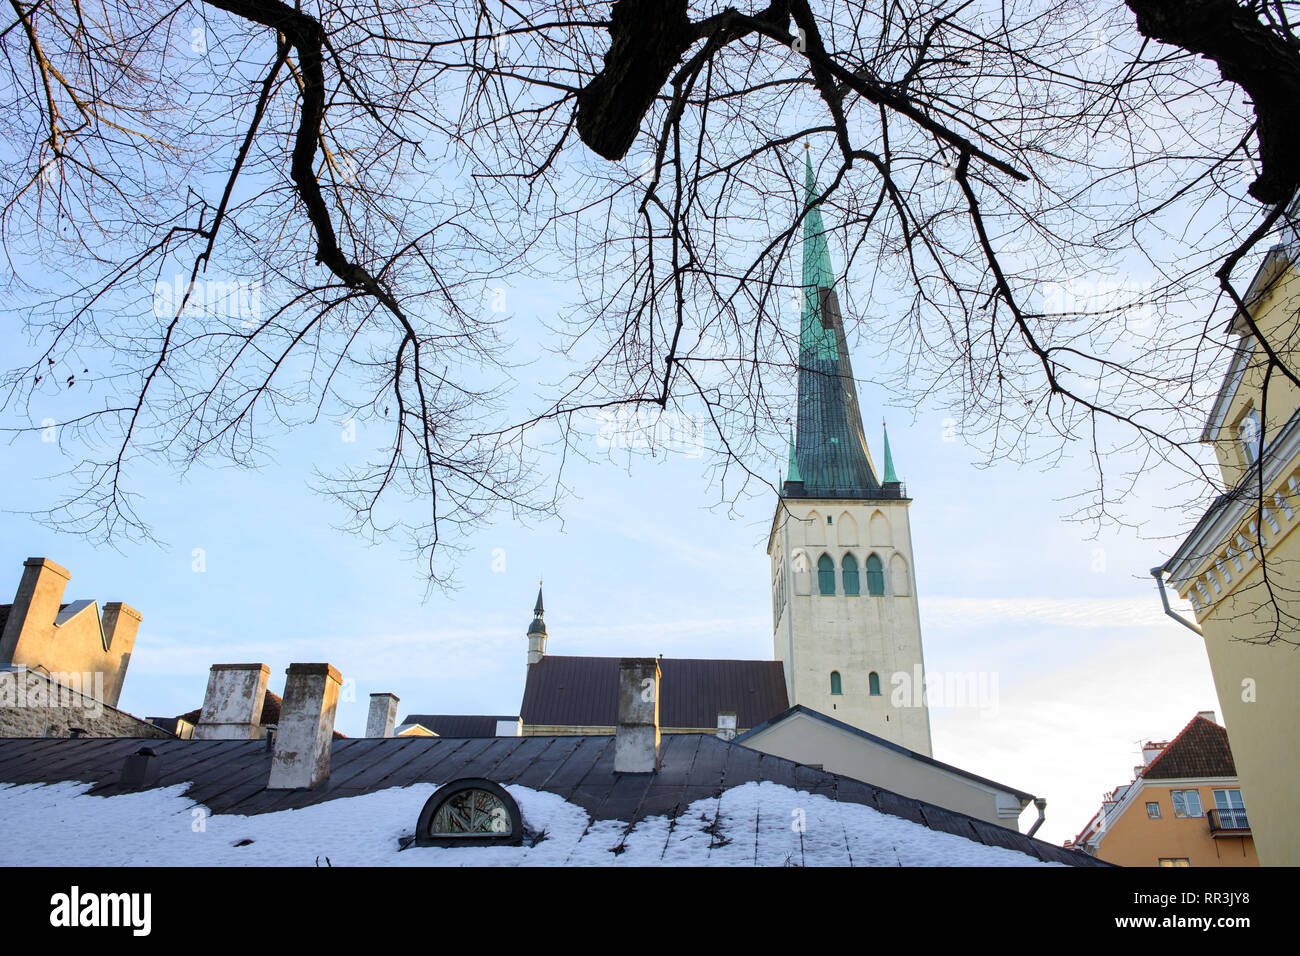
[
  {"x": 1208, "y": 715},
  {"x": 636, "y": 740},
  {"x": 35, "y": 606},
  {"x": 232, "y": 706},
  {"x": 537, "y": 631},
  {"x": 120, "y": 622},
  {"x": 383, "y": 715},
  {"x": 302, "y": 741}
]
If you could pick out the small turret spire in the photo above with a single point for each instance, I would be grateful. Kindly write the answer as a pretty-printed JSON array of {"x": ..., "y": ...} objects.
[
  {"x": 537, "y": 631},
  {"x": 889, "y": 458},
  {"x": 794, "y": 461}
]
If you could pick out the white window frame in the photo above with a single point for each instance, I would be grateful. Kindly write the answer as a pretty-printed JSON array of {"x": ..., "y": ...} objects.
[{"x": 1181, "y": 797}]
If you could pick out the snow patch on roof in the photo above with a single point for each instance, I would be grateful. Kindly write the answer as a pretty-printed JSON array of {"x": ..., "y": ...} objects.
[{"x": 762, "y": 824}]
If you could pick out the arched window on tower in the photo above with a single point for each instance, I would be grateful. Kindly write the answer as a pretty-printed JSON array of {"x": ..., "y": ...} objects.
[
  {"x": 873, "y": 684},
  {"x": 835, "y": 683},
  {"x": 826, "y": 574},
  {"x": 875, "y": 576},
  {"x": 850, "y": 565}
]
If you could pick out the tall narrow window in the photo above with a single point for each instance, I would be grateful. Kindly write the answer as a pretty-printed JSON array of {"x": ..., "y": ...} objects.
[
  {"x": 850, "y": 565},
  {"x": 873, "y": 684},
  {"x": 1248, "y": 434},
  {"x": 835, "y": 683},
  {"x": 826, "y": 574},
  {"x": 875, "y": 576}
]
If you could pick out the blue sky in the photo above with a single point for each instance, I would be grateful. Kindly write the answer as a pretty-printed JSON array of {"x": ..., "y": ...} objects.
[{"x": 644, "y": 560}]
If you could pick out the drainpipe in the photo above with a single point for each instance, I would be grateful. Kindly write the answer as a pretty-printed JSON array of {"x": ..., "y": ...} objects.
[
  {"x": 1159, "y": 575},
  {"x": 1041, "y": 804}
]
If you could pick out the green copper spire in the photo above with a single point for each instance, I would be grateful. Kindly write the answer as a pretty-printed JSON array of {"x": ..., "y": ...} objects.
[
  {"x": 794, "y": 462},
  {"x": 889, "y": 459},
  {"x": 815, "y": 333},
  {"x": 830, "y": 458}
]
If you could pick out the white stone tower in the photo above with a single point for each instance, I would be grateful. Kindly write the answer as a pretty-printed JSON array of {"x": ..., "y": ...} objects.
[{"x": 846, "y": 623}]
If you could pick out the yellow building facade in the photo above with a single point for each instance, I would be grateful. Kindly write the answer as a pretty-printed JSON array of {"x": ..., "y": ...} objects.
[{"x": 1240, "y": 565}]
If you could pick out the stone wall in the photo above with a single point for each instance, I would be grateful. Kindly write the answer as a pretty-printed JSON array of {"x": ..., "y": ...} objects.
[{"x": 33, "y": 705}]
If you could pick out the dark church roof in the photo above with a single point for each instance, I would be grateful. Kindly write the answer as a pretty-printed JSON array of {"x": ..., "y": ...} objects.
[
  {"x": 583, "y": 692},
  {"x": 230, "y": 776},
  {"x": 458, "y": 725},
  {"x": 831, "y": 456}
]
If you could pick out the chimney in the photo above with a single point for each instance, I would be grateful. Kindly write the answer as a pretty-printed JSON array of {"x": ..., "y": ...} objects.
[
  {"x": 120, "y": 622},
  {"x": 232, "y": 706},
  {"x": 36, "y": 605},
  {"x": 383, "y": 715},
  {"x": 306, "y": 730},
  {"x": 636, "y": 740},
  {"x": 537, "y": 631},
  {"x": 726, "y": 725},
  {"x": 1150, "y": 751},
  {"x": 1208, "y": 715}
]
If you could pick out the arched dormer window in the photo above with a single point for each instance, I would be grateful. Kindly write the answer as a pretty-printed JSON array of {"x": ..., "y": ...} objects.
[
  {"x": 850, "y": 566},
  {"x": 836, "y": 687},
  {"x": 873, "y": 684},
  {"x": 875, "y": 576},
  {"x": 826, "y": 574},
  {"x": 471, "y": 811}
]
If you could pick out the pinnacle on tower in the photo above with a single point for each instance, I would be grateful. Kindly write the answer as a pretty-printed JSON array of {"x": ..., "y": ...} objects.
[
  {"x": 793, "y": 474},
  {"x": 889, "y": 459}
]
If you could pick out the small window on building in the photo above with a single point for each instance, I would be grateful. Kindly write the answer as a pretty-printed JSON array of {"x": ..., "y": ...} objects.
[
  {"x": 873, "y": 684},
  {"x": 836, "y": 687},
  {"x": 828, "y": 519},
  {"x": 470, "y": 812},
  {"x": 850, "y": 566},
  {"x": 826, "y": 574},
  {"x": 1187, "y": 803},
  {"x": 875, "y": 576},
  {"x": 1153, "y": 811},
  {"x": 1175, "y": 861}
]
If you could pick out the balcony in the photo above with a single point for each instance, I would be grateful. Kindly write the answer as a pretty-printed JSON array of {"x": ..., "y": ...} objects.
[{"x": 1225, "y": 823}]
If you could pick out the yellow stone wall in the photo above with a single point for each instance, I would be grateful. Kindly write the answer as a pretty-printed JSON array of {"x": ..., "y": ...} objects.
[{"x": 1248, "y": 609}]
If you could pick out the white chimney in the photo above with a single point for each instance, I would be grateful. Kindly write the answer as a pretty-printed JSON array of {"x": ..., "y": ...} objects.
[
  {"x": 232, "y": 705},
  {"x": 383, "y": 715},
  {"x": 726, "y": 725},
  {"x": 1150, "y": 751},
  {"x": 306, "y": 731},
  {"x": 636, "y": 740},
  {"x": 1208, "y": 715}
]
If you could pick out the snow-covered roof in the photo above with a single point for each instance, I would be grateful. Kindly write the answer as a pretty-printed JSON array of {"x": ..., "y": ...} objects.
[
  {"x": 762, "y": 824},
  {"x": 712, "y": 802}
]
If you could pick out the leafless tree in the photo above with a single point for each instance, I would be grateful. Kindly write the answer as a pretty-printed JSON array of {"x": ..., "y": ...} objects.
[{"x": 1054, "y": 202}]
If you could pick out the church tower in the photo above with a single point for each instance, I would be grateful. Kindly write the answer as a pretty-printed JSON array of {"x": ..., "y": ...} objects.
[{"x": 846, "y": 625}]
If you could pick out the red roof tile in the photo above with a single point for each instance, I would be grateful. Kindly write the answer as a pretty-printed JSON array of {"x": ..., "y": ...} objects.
[{"x": 1200, "y": 750}]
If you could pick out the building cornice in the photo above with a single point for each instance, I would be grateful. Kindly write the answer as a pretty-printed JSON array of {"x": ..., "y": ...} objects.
[{"x": 1222, "y": 519}]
